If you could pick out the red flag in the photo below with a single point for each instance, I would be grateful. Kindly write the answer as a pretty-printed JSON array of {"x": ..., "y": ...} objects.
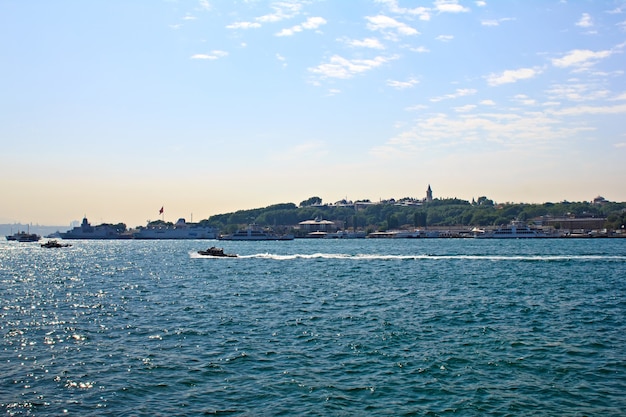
[{"x": 161, "y": 211}]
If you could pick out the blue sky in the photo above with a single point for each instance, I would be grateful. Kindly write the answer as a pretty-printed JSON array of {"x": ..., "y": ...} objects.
[{"x": 112, "y": 109}]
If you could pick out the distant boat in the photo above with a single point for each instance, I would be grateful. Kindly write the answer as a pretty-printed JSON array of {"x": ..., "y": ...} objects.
[
  {"x": 344, "y": 234},
  {"x": 217, "y": 252},
  {"x": 180, "y": 230},
  {"x": 24, "y": 237},
  {"x": 396, "y": 234},
  {"x": 253, "y": 232},
  {"x": 515, "y": 230},
  {"x": 87, "y": 231},
  {"x": 55, "y": 244}
]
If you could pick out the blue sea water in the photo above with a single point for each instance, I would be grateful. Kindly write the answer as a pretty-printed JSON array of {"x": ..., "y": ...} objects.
[{"x": 315, "y": 327}]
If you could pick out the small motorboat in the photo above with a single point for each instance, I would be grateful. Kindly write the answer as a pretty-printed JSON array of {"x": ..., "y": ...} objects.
[
  {"x": 218, "y": 252},
  {"x": 55, "y": 244}
]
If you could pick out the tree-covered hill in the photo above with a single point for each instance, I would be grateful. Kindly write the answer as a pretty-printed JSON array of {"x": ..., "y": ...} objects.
[{"x": 408, "y": 212}]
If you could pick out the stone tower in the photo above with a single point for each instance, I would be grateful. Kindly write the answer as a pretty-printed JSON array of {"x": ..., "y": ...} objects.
[{"x": 429, "y": 194}]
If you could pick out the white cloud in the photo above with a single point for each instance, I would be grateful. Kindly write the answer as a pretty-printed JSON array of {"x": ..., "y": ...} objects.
[
  {"x": 483, "y": 131},
  {"x": 401, "y": 85},
  {"x": 339, "y": 67},
  {"x": 372, "y": 43},
  {"x": 309, "y": 24},
  {"x": 389, "y": 27},
  {"x": 577, "y": 92},
  {"x": 244, "y": 25},
  {"x": 282, "y": 10},
  {"x": 495, "y": 22},
  {"x": 212, "y": 56},
  {"x": 420, "y": 49},
  {"x": 620, "y": 97},
  {"x": 465, "y": 109},
  {"x": 512, "y": 76},
  {"x": 449, "y": 6},
  {"x": 585, "y": 21},
  {"x": 580, "y": 58},
  {"x": 204, "y": 5},
  {"x": 591, "y": 110},
  {"x": 481, "y": 3},
  {"x": 445, "y": 38},
  {"x": 488, "y": 103},
  {"x": 461, "y": 92},
  {"x": 524, "y": 99},
  {"x": 314, "y": 22},
  {"x": 422, "y": 12}
]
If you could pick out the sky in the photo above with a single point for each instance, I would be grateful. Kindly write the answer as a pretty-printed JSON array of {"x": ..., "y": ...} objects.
[{"x": 112, "y": 109}]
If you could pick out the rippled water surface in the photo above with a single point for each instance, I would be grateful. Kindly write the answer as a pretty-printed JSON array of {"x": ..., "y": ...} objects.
[{"x": 315, "y": 327}]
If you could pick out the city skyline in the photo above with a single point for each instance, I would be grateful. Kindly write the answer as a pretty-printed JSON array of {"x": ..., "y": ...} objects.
[{"x": 112, "y": 110}]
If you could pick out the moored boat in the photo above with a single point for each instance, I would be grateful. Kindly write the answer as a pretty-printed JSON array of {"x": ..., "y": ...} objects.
[
  {"x": 515, "y": 230},
  {"x": 253, "y": 232}
]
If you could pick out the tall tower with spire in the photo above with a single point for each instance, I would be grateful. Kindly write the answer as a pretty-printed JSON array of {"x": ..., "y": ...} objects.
[{"x": 429, "y": 194}]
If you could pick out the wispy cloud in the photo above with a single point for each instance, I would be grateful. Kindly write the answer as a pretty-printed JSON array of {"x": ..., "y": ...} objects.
[
  {"x": 581, "y": 59},
  {"x": 401, "y": 85},
  {"x": 204, "y": 5},
  {"x": 512, "y": 76},
  {"x": 465, "y": 109},
  {"x": 460, "y": 92},
  {"x": 423, "y": 13},
  {"x": 310, "y": 24},
  {"x": 244, "y": 25},
  {"x": 445, "y": 38},
  {"x": 389, "y": 27},
  {"x": 282, "y": 10},
  {"x": 495, "y": 22},
  {"x": 585, "y": 21},
  {"x": 372, "y": 43},
  {"x": 493, "y": 130},
  {"x": 343, "y": 68},
  {"x": 212, "y": 56},
  {"x": 577, "y": 91},
  {"x": 591, "y": 110}
]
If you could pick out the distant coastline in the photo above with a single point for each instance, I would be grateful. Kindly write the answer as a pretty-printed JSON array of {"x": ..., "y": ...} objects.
[{"x": 427, "y": 217}]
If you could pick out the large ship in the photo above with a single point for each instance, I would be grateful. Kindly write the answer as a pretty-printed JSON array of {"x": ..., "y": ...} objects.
[
  {"x": 87, "y": 231},
  {"x": 515, "y": 230},
  {"x": 180, "y": 230},
  {"x": 253, "y": 232},
  {"x": 24, "y": 237}
]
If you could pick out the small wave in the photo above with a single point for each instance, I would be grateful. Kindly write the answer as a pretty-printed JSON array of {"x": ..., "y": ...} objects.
[{"x": 431, "y": 257}]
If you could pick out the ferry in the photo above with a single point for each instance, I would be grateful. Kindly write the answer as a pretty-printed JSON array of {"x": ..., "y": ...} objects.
[
  {"x": 515, "y": 230},
  {"x": 180, "y": 230},
  {"x": 253, "y": 232},
  {"x": 24, "y": 237}
]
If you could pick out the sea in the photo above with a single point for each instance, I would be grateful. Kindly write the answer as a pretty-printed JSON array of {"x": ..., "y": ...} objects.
[{"x": 381, "y": 327}]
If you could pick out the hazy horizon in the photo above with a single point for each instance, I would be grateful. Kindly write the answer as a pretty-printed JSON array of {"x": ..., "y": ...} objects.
[{"x": 112, "y": 110}]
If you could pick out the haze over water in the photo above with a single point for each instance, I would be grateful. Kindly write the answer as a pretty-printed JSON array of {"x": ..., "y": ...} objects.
[{"x": 310, "y": 327}]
